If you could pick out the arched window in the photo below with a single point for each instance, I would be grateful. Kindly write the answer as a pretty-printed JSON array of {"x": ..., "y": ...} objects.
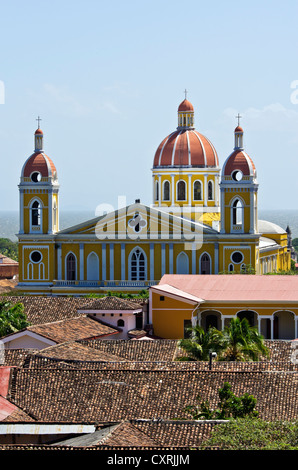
[
  {"x": 35, "y": 214},
  {"x": 166, "y": 191},
  {"x": 237, "y": 212},
  {"x": 71, "y": 271},
  {"x": 205, "y": 267},
  {"x": 120, "y": 323},
  {"x": 137, "y": 265},
  {"x": 92, "y": 267},
  {"x": 210, "y": 191},
  {"x": 181, "y": 190},
  {"x": 197, "y": 191},
  {"x": 182, "y": 263}
]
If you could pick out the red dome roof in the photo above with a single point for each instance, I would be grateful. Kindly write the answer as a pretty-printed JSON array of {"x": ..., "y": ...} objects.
[
  {"x": 38, "y": 131},
  {"x": 39, "y": 162},
  {"x": 185, "y": 106},
  {"x": 239, "y": 160},
  {"x": 186, "y": 148}
]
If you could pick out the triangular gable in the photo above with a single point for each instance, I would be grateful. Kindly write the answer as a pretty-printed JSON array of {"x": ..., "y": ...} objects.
[{"x": 141, "y": 222}]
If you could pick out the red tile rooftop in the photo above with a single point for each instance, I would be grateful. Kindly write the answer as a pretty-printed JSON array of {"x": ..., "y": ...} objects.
[{"x": 234, "y": 287}]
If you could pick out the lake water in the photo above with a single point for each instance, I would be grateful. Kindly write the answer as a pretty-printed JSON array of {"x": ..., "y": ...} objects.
[{"x": 9, "y": 220}]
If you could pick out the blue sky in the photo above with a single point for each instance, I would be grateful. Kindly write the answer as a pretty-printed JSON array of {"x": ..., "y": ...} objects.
[{"x": 107, "y": 78}]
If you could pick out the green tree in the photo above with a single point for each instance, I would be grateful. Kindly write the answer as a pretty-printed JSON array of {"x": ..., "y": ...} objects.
[
  {"x": 12, "y": 317},
  {"x": 242, "y": 342},
  {"x": 229, "y": 406},
  {"x": 253, "y": 434},
  {"x": 200, "y": 343},
  {"x": 9, "y": 248}
]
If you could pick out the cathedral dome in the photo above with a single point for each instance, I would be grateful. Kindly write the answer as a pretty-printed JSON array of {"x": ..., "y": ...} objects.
[
  {"x": 38, "y": 165},
  {"x": 185, "y": 147}
]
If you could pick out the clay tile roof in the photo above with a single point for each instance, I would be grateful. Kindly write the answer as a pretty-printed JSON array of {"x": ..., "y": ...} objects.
[
  {"x": 127, "y": 434},
  {"x": 185, "y": 106},
  {"x": 75, "y": 351},
  {"x": 5, "y": 260},
  {"x": 73, "y": 329},
  {"x": 239, "y": 160},
  {"x": 186, "y": 148},
  {"x": 40, "y": 162},
  {"x": 112, "y": 303}
]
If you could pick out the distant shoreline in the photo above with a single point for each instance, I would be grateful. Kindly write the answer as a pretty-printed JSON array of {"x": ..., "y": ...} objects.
[{"x": 9, "y": 220}]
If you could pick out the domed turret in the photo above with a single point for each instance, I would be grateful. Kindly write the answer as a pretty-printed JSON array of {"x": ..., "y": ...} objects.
[
  {"x": 239, "y": 190},
  {"x": 39, "y": 191}
]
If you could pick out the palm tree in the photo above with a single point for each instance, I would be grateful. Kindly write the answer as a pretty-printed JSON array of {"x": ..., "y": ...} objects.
[
  {"x": 242, "y": 342},
  {"x": 200, "y": 344}
]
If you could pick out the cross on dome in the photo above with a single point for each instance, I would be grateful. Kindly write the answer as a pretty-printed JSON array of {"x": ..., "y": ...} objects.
[
  {"x": 38, "y": 120},
  {"x": 238, "y": 117}
]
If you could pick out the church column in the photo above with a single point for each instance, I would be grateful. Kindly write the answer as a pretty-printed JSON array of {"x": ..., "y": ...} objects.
[
  {"x": 252, "y": 211},
  {"x": 111, "y": 261},
  {"x": 163, "y": 258},
  {"x": 152, "y": 261},
  {"x": 104, "y": 262},
  {"x": 194, "y": 259},
  {"x": 205, "y": 190},
  {"x": 173, "y": 189},
  {"x": 59, "y": 266},
  {"x": 216, "y": 258},
  {"x": 50, "y": 211},
  {"x": 171, "y": 265},
  {"x": 122, "y": 261},
  {"x": 21, "y": 211},
  {"x": 159, "y": 190},
  {"x": 81, "y": 261},
  {"x": 189, "y": 190}
]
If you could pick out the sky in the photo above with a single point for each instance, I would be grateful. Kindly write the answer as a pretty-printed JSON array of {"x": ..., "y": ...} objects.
[{"x": 107, "y": 78}]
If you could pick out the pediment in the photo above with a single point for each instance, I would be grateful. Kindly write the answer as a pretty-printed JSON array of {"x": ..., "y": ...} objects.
[{"x": 140, "y": 222}]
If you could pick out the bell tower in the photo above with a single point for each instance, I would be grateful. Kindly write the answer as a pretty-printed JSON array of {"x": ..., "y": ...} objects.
[
  {"x": 239, "y": 190},
  {"x": 39, "y": 191}
]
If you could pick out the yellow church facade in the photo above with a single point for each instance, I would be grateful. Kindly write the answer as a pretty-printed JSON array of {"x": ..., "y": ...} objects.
[{"x": 203, "y": 220}]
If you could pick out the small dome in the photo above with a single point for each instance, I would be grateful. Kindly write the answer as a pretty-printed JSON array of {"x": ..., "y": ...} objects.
[
  {"x": 238, "y": 129},
  {"x": 38, "y": 131},
  {"x": 40, "y": 163},
  {"x": 239, "y": 161},
  {"x": 187, "y": 148},
  {"x": 185, "y": 106}
]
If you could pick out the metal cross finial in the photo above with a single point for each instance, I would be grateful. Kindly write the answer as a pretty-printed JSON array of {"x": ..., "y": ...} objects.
[
  {"x": 185, "y": 91},
  {"x": 238, "y": 117},
  {"x": 38, "y": 119}
]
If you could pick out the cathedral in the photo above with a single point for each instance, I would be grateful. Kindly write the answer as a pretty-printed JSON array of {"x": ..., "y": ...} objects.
[{"x": 203, "y": 220}]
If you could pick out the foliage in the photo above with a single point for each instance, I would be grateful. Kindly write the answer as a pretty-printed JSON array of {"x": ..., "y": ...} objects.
[
  {"x": 253, "y": 434},
  {"x": 200, "y": 344},
  {"x": 9, "y": 248},
  {"x": 247, "y": 269},
  {"x": 229, "y": 406},
  {"x": 237, "y": 342},
  {"x": 143, "y": 294},
  {"x": 242, "y": 342},
  {"x": 12, "y": 318},
  {"x": 295, "y": 243}
]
